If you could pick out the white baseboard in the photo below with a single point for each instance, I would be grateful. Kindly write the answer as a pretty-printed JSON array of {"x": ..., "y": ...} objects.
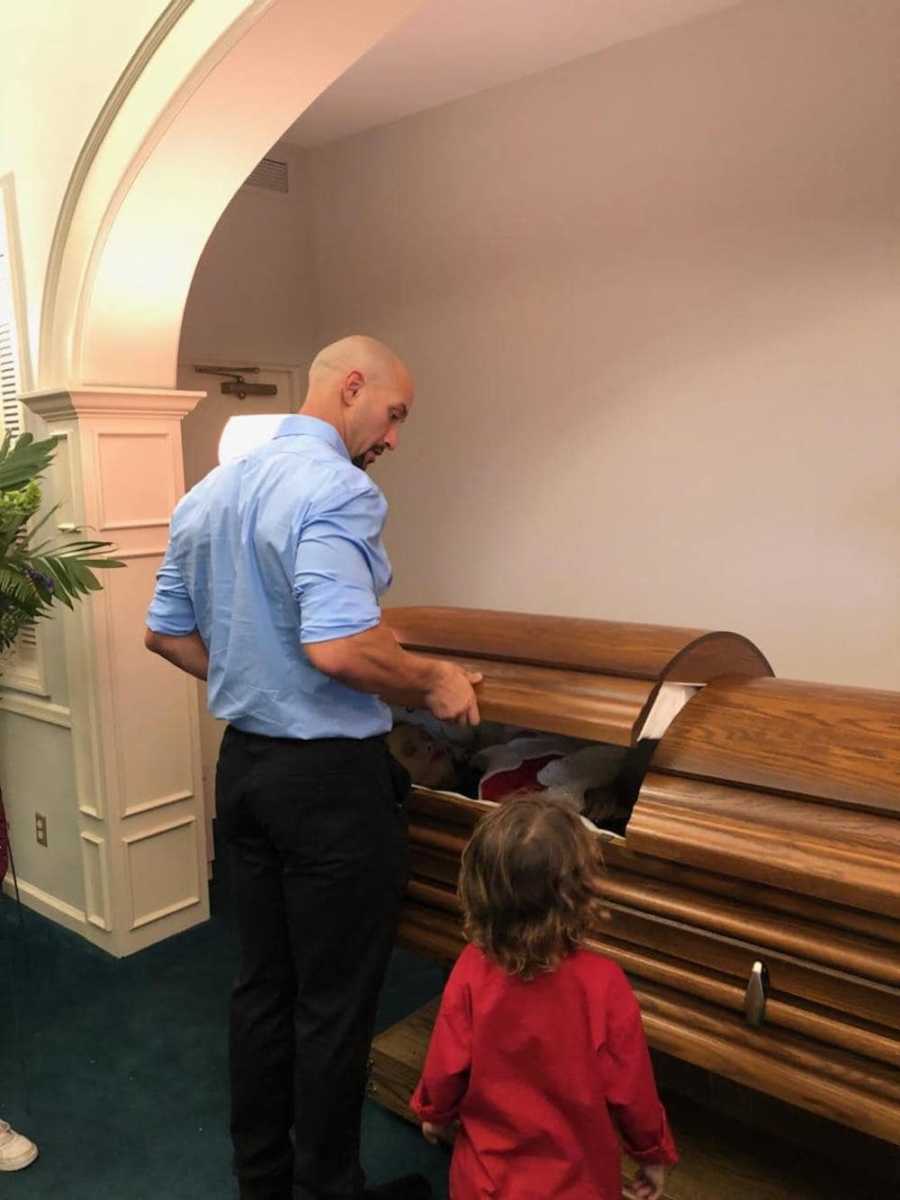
[{"x": 51, "y": 907}]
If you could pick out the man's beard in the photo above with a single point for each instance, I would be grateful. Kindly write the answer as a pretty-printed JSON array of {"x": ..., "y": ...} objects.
[{"x": 363, "y": 461}]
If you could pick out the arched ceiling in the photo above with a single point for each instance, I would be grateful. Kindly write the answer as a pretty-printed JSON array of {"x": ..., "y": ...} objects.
[{"x": 452, "y": 48}]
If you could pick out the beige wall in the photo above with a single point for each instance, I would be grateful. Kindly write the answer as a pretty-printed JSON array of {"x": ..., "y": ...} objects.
[
  {"x": 45, "y": 773},
  {"x": 652, "y": 302},
  {"x": 253, "y": 295}
]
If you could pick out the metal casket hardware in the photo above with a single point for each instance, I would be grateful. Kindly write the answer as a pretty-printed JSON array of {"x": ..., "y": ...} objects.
[{"x": 756, "y": 995}]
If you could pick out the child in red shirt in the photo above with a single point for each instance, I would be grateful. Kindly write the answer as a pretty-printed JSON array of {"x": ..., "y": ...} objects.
[{"x": 538, "y": 1063}]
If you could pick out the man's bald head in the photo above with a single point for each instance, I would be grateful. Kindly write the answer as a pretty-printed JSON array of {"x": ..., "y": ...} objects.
[
  {"x": 372, "y": 359},
  {"x": 365, "y": 390}
]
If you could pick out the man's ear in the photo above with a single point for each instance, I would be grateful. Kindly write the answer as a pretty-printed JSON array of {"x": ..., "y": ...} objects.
[{"x": 353, "y": 382}]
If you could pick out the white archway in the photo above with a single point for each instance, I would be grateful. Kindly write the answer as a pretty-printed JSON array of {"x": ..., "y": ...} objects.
[
  {"x": 209, "y": 90},
  {"x": 223, "y": 83}
]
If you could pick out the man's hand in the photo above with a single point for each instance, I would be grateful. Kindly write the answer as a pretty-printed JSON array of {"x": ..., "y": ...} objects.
[
  {"x": 439, "y": 1133},
  {"x": 375, "y": 662},
  {"x": 648, "y": 1184},
  {"x": 452, "y": 698}
]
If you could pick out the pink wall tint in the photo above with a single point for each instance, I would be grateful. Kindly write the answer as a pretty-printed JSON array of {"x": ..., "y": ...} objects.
[{"x": 652, "y": 302}]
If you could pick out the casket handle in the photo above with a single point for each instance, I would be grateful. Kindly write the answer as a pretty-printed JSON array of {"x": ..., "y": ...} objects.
[{"x": 756, "y": 995}]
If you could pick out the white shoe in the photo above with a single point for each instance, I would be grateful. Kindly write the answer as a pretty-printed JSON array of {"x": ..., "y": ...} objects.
[{"x": 16, "y": 1151}]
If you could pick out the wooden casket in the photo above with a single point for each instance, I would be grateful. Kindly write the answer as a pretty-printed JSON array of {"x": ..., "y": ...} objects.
[{"x": 754, "y": 899}]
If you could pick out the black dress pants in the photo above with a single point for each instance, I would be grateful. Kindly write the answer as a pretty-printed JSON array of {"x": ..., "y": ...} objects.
[{"x": 316, "y": 835}]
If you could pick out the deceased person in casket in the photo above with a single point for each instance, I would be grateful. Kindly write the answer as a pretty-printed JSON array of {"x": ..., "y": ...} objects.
[{"x": 494, "y": 762}]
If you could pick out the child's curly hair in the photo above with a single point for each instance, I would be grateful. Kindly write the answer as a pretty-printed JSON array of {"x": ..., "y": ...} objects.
[{"x": 530, "y": 884}]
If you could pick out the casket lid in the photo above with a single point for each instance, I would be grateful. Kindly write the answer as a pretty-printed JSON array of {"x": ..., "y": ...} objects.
[{"x": 571, "y": 675}]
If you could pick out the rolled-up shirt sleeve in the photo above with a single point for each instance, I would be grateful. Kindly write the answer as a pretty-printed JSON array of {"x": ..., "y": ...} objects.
[
  {"x": 340, "y": 567},
  {"x": 171, "y": 610}
]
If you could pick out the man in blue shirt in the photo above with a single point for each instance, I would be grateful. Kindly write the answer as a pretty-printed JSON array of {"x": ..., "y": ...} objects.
[{"x": 269, "y": 590}]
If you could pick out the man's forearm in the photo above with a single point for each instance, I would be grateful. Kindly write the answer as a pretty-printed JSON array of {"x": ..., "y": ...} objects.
[
  {"x": 374, "y": 662},
  {"x": 188, "y": 652}
]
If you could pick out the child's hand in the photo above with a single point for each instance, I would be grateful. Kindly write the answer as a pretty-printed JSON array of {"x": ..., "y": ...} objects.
[
  {"x": 648, "y": 1184},
  {"x": 439, "y": 1133}
]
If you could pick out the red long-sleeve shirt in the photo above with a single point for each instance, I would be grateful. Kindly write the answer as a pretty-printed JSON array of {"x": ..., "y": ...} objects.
[{"x": 542, "y": 1076}]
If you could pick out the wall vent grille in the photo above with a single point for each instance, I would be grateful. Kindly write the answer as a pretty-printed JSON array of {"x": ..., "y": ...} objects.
[{"x": 271, "y": 174}]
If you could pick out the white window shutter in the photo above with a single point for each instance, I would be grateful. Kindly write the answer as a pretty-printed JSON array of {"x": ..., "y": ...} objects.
[
  {"x": 9, "y": 375},
  {"x": 21, "y": 666}
]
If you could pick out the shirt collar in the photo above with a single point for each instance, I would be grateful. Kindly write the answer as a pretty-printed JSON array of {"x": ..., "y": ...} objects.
[{"x": 298, "y": 425}]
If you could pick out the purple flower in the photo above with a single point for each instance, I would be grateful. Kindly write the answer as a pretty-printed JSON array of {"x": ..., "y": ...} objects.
[{"x": 39, "y": 578}]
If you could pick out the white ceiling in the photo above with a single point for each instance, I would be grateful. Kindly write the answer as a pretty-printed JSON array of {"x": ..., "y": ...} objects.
[{"x": 453, "y": 48}]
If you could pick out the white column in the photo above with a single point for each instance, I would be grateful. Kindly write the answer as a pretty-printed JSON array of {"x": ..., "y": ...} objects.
[{"x": 118, "y": 472}]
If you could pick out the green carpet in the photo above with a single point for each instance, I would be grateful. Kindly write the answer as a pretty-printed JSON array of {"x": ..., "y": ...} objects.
[{"x": 118, "y": 1068}]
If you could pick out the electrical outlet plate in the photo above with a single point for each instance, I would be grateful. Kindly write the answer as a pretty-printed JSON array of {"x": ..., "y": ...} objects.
[{"x": 40, "y": 829}]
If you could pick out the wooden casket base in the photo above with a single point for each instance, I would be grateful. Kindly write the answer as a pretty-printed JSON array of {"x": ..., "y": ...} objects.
[{"x": 735, "y": 1143}]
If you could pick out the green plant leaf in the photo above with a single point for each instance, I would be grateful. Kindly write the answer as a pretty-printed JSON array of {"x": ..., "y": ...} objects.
[
  {"x": 37, "y": 575},
  {"x": 25, "y": 460}
]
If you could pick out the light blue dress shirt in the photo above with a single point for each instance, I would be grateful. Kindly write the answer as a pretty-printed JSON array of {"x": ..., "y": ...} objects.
[{"x": 274, "y": 549}]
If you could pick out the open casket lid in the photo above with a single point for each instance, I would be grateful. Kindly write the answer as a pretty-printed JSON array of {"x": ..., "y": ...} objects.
[{"x": 583, "y": 678}]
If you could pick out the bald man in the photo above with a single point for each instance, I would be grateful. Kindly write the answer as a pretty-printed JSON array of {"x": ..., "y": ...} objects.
[{"x": 270, "y": 591}]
